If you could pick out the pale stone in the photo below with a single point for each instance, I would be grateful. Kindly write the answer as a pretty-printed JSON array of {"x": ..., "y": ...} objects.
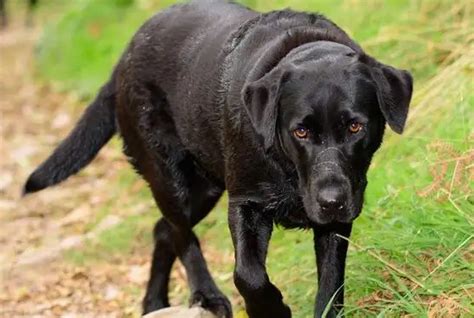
[{"x": 180, "y": 312}]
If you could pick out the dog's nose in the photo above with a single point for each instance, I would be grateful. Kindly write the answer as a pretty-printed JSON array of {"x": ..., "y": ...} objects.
[{"x": 332, "y": 199}]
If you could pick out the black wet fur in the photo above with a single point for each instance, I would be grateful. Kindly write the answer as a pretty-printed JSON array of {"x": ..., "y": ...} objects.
[{"x": 209, "y": 96}]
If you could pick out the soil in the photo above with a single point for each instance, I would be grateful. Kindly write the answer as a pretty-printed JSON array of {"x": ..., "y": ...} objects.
[{"x": 36, "y": 230}]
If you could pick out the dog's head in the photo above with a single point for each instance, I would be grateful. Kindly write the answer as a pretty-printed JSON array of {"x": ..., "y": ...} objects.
[{"x": 324, "y": 107}]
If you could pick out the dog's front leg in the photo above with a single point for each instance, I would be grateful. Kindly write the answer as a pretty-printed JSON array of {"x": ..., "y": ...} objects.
[
  {"x": 251, "y": 230},
  {"x": 331, "y": 250}
]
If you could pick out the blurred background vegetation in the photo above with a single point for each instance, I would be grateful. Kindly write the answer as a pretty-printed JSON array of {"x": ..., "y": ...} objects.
[{"x": 412, "y": 248}]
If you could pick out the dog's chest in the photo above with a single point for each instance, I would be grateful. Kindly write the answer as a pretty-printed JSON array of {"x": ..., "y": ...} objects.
[{"x": 284, "y": 202}]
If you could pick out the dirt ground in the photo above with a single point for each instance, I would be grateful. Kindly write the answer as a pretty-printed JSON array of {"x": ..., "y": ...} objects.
[{"x": 35, "y": 281}]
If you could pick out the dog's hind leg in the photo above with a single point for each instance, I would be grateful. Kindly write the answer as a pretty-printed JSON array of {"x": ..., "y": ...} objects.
[
  {"x": 183, "y": 194},
  {"x": 164, "y": 254},
  {"x": 156, "y": 296},
  {"x": 174, "y": 237}
]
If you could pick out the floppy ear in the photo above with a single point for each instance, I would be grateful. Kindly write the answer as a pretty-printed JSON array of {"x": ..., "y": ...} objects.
[
  {"x": 260, "y": 99},
  {"x": 394, "y": 90}
]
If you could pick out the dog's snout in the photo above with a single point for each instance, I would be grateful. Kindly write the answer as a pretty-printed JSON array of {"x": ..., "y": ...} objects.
[{"x": 332, "y": 199}]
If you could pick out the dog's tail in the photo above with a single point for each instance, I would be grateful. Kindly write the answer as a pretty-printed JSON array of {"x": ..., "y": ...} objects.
[{"x": 92, "y": 132}]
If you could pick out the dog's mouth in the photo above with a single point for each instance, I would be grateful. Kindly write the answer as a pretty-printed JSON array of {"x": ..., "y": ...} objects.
[{"x": 319, "y": 217}]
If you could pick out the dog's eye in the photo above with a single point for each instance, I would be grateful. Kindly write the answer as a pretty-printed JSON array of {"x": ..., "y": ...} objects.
[
  {"x": 301, "y": 132},
  {"x": 355, "y": 127}
]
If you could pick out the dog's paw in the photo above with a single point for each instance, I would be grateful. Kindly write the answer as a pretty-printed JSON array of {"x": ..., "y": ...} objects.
[{"x": 216, "y": 303}]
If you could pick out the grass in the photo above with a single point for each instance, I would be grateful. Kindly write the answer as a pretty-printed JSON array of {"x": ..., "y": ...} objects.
[{"x": 411, "y": 252}]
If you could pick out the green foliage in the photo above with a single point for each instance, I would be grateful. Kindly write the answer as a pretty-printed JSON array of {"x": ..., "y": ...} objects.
[
  {"x": 78, "y": 51},
  {"x": 410, "y": 247}
]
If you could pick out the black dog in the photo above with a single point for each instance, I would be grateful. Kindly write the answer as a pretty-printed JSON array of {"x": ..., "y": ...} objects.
[
  {"x": 282, "y": 109},
  {"x": 32, "y": 4}
]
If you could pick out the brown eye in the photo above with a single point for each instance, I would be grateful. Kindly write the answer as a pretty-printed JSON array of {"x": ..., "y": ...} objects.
[
  {"x": 355, "y": 127},
  {"x": 301, "y": 132}
]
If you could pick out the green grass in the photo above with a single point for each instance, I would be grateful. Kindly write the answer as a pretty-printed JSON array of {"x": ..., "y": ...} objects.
[
  {"x": 79, "y": 50},
  {"x": 411, "y": 254}
]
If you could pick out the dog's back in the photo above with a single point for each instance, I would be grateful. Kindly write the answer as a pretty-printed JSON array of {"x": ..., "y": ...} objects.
[
  {"x": 170, "y": 88},
  {"x": 175, "y": 60}
]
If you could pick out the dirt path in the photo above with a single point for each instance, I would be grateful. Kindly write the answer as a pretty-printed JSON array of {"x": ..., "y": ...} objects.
[{"x": 36, "y": 230}]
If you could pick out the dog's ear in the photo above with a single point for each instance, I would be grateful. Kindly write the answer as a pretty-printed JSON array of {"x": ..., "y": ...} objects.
[
  {"x": 261, "y": 98},
  {"x": 394, "y": 90}
]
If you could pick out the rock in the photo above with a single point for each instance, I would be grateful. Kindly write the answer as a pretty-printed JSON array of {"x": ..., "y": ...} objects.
[{"x": 180, "y": 312}]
